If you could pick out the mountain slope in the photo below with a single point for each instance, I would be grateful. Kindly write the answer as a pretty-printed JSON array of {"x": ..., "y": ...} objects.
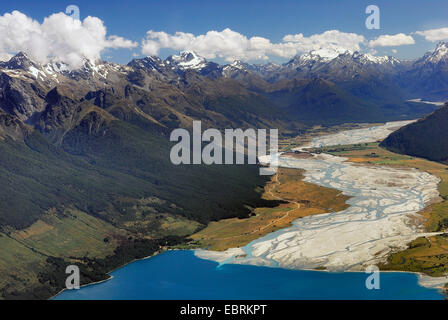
[
  {"x": 86, "y": 173},
  {"x": 318, "y": 101},
  {"x": 426, "y": 138},
  {"x": 427, "y": 78}
]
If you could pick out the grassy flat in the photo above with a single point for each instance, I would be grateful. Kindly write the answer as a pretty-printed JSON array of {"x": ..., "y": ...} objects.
[
  {"x": 427, "y": 255},
  {"x": 301, "y": 199}
]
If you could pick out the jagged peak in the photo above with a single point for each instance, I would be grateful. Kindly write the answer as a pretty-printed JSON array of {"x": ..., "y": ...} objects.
[
  {"x": 329, "y": 55},
  {"x": 152, "y": 58},
  {"x": 370, "y": 58},
  {"x": 440, "y": 53},
  {"x": 149, "y": 63},
  {"x": 22, "y": 62},
  {"x": 442, "y": 45},
  {"x": 19, "y": 61},
  {"x": 187, "y": 60},
  {"x": 20, "y": 55},
  {"x": 187, "y": 55},
  {"x": 238, "y": 64}
]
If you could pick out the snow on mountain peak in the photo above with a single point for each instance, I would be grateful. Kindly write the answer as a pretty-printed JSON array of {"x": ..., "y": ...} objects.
[
  {"x": 329, "y": 54},
  {"x": 19, "y": 61},
  {"x": 442, "y": 46},
  {"x": 320, "y": 55},
  {"x": 238, "y": 64},
  {"x": 188, "y": 60},
  {"x": 21, "y": 64},
  {"x": 368, "y": 58},
  {"x": 440, "y": 53}
]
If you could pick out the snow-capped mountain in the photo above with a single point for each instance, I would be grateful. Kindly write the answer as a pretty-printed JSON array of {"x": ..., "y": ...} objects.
[
  {"x": 239, "y": 65},
  {"x": 325, "y": 63},
  {"x": 267, "y": 68},
  {"x": 440, "y": 54},
  {"x": 176, "y": 89},
  {"x": 361, "y": 74},
  {"x": 318, "y": 58},
  {"x": 427, "y": 77},
  {"x": 21, "y": 65},
  {"x": 149, "y": 63},
  {"x": 236, "y": 68},
  {"x": 187, "y": 60},
  {"x": 307, "y": 60},
  {"x": 261, "y": 69},
  {"x": 177, "y": 65},
  {"x": 19, "y": 61}
]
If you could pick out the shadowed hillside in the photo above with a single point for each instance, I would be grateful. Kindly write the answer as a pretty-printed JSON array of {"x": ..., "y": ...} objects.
[{"x": 426, "y": 138}]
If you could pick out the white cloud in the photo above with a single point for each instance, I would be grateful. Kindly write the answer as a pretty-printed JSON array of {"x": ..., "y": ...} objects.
[
  {"x": 58, "y": 37},
  {"x": 327, "y": 39},
  {"x": 119, "y": 42},
  {"x": 231, "y": 45},
  {"x": 434, "y": 34},
  {"x": 399, "y": 39}
]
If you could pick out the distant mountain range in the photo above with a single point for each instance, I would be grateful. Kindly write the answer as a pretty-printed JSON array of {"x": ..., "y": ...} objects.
[{"x": 183, "y": 86}]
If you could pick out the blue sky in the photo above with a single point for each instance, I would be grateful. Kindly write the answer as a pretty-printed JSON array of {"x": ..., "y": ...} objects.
[{"x": 268, "y": 19}]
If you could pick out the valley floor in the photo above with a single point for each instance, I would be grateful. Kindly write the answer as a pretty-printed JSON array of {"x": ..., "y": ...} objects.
[
  {"x": 300, "y": 198},
  {"x": 428, "y": 255},
  {"x": 395, "y": 219}
]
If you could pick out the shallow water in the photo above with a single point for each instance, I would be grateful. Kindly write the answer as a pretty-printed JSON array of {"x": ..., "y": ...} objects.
[{"x": 384, "y": 202}]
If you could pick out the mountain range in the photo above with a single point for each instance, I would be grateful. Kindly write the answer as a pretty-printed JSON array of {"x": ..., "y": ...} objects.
[
  {"x": 75, "y": 111},
  {"x": 90, "y": 147}
]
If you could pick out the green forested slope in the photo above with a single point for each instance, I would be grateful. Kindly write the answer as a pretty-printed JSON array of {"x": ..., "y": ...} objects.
[{"x": 426, "y": 138}]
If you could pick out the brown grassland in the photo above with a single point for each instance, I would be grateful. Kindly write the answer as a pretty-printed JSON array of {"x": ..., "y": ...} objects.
[{"x": 301, "y": 199}]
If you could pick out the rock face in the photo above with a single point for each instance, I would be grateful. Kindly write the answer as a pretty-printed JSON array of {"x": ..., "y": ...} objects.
[
  {"x": 19, "y": 97},
  {"x": 12, "y": 127}
]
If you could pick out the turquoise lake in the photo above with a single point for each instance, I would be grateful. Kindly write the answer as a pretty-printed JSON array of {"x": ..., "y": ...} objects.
[{"x": 180, "y": 275}]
